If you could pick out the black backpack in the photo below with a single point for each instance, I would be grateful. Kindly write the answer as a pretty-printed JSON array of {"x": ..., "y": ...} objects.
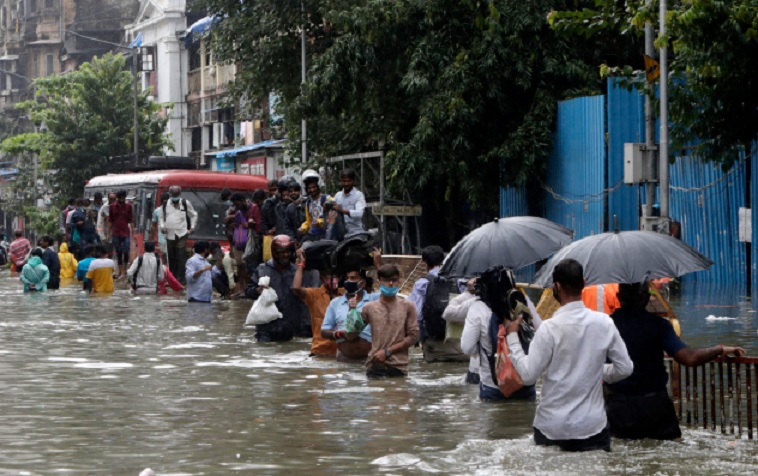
[
  {"x": 139, "y": 266},
  {"x": 437, "y": 299}
]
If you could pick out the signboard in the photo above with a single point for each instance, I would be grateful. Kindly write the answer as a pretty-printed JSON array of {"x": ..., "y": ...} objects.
[
  {"x": 254, "y": 166},
  {"x": 224, "y": 164},
  {"x": 396, "y": 210}
]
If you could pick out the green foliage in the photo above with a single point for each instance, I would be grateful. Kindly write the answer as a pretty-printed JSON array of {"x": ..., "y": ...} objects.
[
  {"x": 88, "y": 117},
  {"x": 459, "y": 93},
  {"x": 713, "y": 69},
  {"x": 43, "y": 222}
]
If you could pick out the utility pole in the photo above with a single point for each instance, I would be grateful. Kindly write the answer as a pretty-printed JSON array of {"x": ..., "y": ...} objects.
[
  {"x": 663, "y": 149},
  {"x": 135, "y": 52},
  {"x": 649, "y": 128},
  {"x": 303, "y": 125}
]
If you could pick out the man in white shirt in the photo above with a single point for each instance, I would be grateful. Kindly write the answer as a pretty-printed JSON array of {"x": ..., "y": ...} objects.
[
  {"x": 177, "y": 221},
  {"x": 350, "y": 202},
  {"x": 571, "y": 349},
  {"x": 103, "y": 223},
  {"x": 146, "y": 271}
]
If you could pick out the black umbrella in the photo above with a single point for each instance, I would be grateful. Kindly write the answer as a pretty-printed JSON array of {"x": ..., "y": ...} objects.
[
  {"x": 512, "y": 242},
  {"x": 627, "y": 257}
]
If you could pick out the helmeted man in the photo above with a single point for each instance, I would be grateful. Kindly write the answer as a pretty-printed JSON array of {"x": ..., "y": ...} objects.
[
  {"x": 314, "y": 226},
  {"x": 281, "y": 271}
]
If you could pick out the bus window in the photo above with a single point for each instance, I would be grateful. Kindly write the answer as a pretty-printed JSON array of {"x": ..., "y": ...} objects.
[{"x": 210, "y": 214}]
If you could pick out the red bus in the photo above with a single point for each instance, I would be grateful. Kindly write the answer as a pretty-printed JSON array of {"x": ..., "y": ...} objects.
[{"x": 199, "y": 187}]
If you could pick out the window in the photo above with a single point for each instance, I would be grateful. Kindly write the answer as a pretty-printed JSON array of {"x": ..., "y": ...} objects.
[
  {"x": 32, "y": 6},
  {"x": 49, "y": 3},
  {"x": 50, "y": 66},
  {"x": 193, "y": 51}
]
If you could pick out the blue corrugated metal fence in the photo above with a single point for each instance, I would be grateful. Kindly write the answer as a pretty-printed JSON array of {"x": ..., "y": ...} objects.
[{"x": 583, "y": 188}]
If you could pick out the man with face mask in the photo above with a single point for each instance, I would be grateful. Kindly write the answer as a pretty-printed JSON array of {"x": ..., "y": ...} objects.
[
  {"x": 350, "y": 348},
  {"x": 394, "y": 328},
  {"x": 281, "y": 271},
  {"x": 178, "y": 220},
  {"x": 571, "y": 349},
  {"x": 103, "y": 222}
]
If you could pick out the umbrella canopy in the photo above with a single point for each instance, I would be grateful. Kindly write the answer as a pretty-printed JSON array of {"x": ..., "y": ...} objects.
[
  {"x": 627, "y": 257},
  {"x": 513, "y": 242}
]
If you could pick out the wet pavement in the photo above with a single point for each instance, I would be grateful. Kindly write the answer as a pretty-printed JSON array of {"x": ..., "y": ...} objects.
[{"x": 114, "y": 384}]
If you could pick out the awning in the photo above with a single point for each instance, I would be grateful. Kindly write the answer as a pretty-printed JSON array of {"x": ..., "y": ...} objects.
[
  {"x": 195, "y": 31},
  {"x": 248, "y": 148}
]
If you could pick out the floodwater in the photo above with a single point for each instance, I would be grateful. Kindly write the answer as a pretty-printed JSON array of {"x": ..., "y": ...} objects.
[{"x": 112, "y": 385}]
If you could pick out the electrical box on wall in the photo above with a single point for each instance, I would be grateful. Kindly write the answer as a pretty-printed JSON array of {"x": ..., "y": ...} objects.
[{"x": 634, "y": 163}]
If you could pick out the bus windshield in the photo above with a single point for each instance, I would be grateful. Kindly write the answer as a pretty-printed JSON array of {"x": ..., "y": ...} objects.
[{"x": 211, "y": 212}]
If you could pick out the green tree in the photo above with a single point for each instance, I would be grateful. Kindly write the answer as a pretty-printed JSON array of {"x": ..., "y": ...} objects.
[
  {"x": 462, "y": 94},
  {"x": 713, "y": 68},
  {"x": 88, "y": 118}
]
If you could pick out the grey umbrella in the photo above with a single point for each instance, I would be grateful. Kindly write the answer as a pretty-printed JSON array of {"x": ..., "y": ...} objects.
[
  {"x": 627, "y": 257},
  {"x": 513, "y": 242}
]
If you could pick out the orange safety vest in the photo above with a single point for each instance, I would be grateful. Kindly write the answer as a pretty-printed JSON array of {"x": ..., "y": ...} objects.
[{"x": 601, "y": 297}]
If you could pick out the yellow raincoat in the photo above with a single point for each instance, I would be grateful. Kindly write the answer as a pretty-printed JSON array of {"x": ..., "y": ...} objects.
[{"x": 68, "y": 262}]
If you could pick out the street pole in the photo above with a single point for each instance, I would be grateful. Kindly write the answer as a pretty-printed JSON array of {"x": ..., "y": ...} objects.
[
  {"x": 136, "y": 105},
  {"x": 303, "y": 126},
  {"x": 663, "y": 151},
  {"x": 649, "y": 128}
]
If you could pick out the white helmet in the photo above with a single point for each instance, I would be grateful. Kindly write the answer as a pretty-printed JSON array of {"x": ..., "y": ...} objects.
[{"x": 309, "y": 175}]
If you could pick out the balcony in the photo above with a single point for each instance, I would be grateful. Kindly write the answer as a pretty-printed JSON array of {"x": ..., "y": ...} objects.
[{"x": 209, "y": 80}]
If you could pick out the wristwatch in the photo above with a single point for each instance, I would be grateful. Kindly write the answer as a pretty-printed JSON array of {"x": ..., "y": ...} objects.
[{"x": 387, "y": 353}]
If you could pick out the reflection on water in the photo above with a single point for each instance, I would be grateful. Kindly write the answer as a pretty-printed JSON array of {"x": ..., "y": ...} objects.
[{"x": 114, "y": 384}]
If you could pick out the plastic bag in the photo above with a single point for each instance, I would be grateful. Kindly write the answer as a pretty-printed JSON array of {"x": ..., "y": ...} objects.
[
  {"x": 354, "y": 322},
  {"x": 264, "y": 309},
  {"x": 508, "y": 380}
]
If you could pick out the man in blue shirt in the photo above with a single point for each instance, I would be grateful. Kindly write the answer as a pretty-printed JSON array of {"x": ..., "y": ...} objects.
[
  {"x": 83, "y": 266},
  {"x": 198, "y": 274},
  {"x": 350, "y": 348},
  {"x": 435, "y": 346}
]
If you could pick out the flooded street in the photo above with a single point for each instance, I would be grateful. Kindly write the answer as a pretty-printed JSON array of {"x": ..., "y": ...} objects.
[{"x": 112, "y": 385}]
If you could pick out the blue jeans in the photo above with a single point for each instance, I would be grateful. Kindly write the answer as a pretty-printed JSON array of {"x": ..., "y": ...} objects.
[
  {"x": 121, "y": 246},
  {"x": 490, "y": 394}
]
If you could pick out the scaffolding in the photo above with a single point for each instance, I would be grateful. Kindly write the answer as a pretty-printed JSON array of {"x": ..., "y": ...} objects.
[{"x": 400, "y": 214}]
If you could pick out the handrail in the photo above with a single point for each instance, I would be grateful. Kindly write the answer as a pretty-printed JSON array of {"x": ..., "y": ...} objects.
[{"x": 719, "y": 393}]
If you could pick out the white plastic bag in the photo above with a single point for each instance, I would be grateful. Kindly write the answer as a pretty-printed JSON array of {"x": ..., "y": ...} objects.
[{"x": 264, "y": 309}]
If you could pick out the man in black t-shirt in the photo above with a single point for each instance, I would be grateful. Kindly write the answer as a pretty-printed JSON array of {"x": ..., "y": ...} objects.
[{"x": 639, "y": 406}]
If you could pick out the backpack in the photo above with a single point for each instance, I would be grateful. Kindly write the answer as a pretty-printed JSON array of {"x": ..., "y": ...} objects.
[
  {"x": 3, "y": 257},
  {"x": 436, "y": 300},
  {"x": 139, "y": 266},
  {"x": 186, "y": 213}
]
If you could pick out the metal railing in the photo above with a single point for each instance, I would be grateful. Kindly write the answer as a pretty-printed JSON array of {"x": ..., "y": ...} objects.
[{"x": 719, "y": 394}]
